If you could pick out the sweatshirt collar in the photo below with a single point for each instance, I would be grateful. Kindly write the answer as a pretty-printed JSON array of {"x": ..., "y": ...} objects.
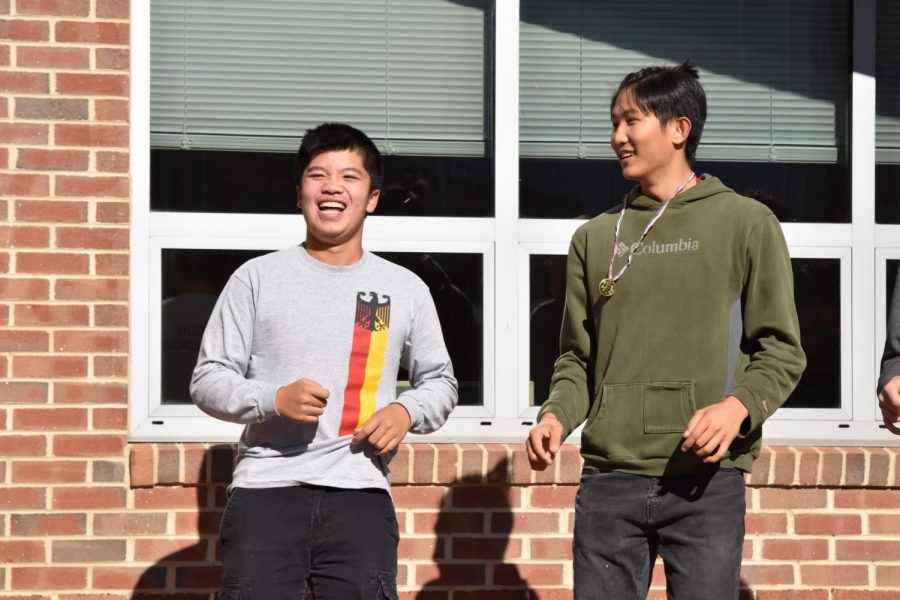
[
  {"x": 709, "y": 186},
  {"x": 309, "y": 261}
]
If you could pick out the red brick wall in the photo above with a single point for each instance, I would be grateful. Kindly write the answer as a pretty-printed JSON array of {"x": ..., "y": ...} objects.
[{"x": 85, "y": 515}]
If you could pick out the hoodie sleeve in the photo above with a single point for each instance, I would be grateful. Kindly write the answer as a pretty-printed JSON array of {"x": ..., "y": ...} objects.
[
  {"x": 890, "y": 360},
  {"x": 771, "y": 330},
  {"x": 219, "y": 386},
  {"x": 569, "y": 388},
  {"x": 434, "y": 392}
]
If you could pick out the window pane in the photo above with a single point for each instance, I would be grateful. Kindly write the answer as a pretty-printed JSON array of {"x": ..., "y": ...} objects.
[
  {"x": 776, "y": 76},
  {"x": 193, "y": 279},
  {"x": 568, "y": 189},
  {"x": 887, "y": 107},
  {"x": 251, "y": 75},
  {"x": 548, "y": 297},
  {"x": 236, "y": 78},
  {"x": 191, "y": 283},
  {"x": 816, "y": 292},
  {"x": 264, "y": 182}
]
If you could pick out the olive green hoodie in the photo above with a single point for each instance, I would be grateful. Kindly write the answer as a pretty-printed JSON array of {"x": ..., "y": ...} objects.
[{"x": 705, "y": 310}]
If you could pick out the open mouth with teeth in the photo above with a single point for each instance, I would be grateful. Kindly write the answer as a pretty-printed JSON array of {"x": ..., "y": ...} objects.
[
  {"x": 332, "y": 207},
  {"x": 624, "y": 155}
]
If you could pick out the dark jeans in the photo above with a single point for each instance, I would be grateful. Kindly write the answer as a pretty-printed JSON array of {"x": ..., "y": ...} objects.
[
  {"x": 343, "y": 542},
  {"x": 695, "y": 522}
]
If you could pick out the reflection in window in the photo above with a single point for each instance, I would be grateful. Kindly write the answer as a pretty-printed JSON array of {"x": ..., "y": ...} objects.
[
  {"x": 548, "y": 298},
  {"x": 776, "y": 76},
  {"x": 229, "y": 79},
  {"x": 191, "y": 283},
  {"x": 264, "y": 183},
  {"x": 193, "y": 279},
  {"x": 816, "y": 292},
  {"x": 887, "y": 108}
]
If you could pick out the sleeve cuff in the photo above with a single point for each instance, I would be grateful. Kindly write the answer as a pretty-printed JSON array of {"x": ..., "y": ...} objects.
[
  {"x": 560, "y": 413},
  {"x": 889, "y": 370},
  {"x": 266, "y": 405},
  {"x": 748, "y": 399},
  {"x": 412, "y": 407}
]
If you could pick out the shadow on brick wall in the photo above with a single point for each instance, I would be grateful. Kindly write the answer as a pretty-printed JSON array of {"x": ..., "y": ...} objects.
[
  {"x": 191, "y": 571},
  {"x": 474, "y": 549}
]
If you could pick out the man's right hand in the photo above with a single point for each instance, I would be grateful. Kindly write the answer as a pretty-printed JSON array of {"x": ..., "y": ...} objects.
[
  {"x": 302, "y": 401},
  {"x": 544, "y": 441},
  {"x": 889, "y": 402}
]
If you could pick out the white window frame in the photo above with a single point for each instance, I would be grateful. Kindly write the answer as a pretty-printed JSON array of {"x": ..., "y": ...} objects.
[{"x": 506, "y": 242}]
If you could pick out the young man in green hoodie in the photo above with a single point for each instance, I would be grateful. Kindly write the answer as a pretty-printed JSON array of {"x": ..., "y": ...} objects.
[{"x": 679, "y": 339}]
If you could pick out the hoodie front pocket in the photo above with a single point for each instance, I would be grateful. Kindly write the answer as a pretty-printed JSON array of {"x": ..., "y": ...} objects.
[
  {"x": 668, "y": 406},
  {"x": 639, "y": 420}
]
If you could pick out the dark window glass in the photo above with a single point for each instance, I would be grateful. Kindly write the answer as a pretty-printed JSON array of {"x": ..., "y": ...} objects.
[
  {"x": 816, "y": 292},
  {"x": 264, "y": 182},
  {"x": 887, "y": 194},
  {"x": 193, "y": 279},
  {"x": 548, "y": 297},
  {"x": 561, "y": 188}
]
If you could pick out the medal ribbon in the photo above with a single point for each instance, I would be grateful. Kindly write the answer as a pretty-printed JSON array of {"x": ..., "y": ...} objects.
[{"x": 644, "y": 233}]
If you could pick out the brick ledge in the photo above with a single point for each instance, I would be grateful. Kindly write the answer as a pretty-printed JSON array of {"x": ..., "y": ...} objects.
[{"x": 163, "y": 464}]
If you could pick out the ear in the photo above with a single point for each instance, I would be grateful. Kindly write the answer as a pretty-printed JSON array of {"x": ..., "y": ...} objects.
[
  {"x": 372, "y": 201},
  {"x": 681, "y": 129},
  {"x": 299, "y": 197}
]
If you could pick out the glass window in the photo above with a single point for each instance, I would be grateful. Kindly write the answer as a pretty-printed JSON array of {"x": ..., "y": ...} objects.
[
  {"x": 887, "y": 108},
  {"x": 264, "y": 183},
  {"x": 231, "y": 79},
  {"x": 816, "y": 293},
  {"x": 776, "y": 76},
  {"x": 193, "y": 279}
]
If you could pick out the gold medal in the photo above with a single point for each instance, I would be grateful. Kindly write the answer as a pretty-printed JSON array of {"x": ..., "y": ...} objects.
[{"x": 607, "y": 287}]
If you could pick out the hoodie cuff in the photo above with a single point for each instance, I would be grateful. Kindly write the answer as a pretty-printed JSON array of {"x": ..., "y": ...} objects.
[
  {"x": 750, "y": 402},
  {"x": 561, "y": 415}
]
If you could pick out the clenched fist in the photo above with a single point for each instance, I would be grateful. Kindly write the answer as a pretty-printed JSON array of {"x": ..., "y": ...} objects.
[{"x": 302, "y": 401}]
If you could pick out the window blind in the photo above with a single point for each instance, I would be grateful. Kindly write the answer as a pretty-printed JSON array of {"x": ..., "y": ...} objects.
[
  {"x": 228, "y": 74},
  {"x": 887, "y": 82},
  {"x": 776, "y": 73}
]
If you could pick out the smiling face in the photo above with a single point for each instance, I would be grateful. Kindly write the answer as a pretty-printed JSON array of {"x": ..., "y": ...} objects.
[
  {"x": 647, "y": 150},
  {"x": 334, "y": 196}
]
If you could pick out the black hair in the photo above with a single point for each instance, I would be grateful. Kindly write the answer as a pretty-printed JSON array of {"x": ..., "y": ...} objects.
[
  {"x": 331, "y": 137},
  {"x": 669, "y": 93}
]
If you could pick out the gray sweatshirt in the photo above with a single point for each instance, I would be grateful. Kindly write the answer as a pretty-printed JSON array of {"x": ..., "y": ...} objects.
[
  {"x": 286, "y": 316},
  {"x": 890, "y": 360}
]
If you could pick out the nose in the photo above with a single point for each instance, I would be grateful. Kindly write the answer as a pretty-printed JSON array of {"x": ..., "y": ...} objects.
[
  {"x": 617, "y": 137},
  {"x": 332, "y": 185}
]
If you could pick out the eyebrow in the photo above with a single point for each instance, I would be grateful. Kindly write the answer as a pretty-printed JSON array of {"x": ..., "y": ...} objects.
[{"x": 344, "y": 170}]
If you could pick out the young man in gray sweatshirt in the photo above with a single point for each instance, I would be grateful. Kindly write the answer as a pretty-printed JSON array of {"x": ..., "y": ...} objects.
[{"x": 303, "y": 347}]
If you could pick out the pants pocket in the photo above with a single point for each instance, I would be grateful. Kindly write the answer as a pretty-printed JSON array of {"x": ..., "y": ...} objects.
[
  {"x": 237, "y": 588},
  {"x": 383, "y": 585}
]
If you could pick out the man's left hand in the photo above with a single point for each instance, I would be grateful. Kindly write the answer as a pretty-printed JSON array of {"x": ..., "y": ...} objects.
[
  {"x": 711, "y": 430},
  {"x": 889, "y": 402},
  {"x": 385, "y": 429}
]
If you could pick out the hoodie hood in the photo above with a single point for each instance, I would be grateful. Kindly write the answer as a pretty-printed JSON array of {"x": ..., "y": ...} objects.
[{"x": 709, "y": 186}]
